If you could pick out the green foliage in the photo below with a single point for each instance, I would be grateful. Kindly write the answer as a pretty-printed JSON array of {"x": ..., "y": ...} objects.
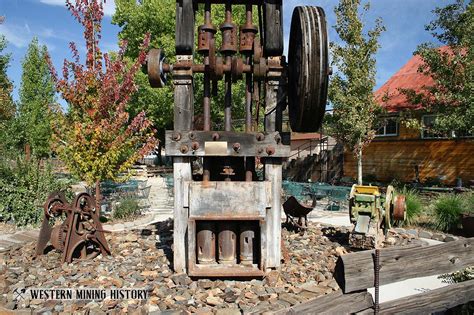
[
  {"x": 36, "y": 95},
  {"x": 351, "y": 87},
  {"x": 448, "y": 210},
  {"x": 414, "y": 204},
  {"x": 468, "y": 203},
  {"x": 459, "y": 276},
  {"x": 127, "y": 208},
  {"x": 24, "y": 187},
  {"x": 158, "y": 18},
  {"x": 7, "y": 108},
  {"x": 452, "y": 69}
]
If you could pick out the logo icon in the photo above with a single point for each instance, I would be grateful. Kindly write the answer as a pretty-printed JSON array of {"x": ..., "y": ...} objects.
[{"x": 19, "y": 294}]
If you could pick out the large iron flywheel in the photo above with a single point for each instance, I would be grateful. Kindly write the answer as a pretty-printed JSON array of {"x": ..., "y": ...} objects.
[{"x": 308, "y": 69}]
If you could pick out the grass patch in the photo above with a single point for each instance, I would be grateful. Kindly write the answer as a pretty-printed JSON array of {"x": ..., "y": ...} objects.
[
  {"x": 448, "y": 210},
  {"x": 414, "y": 205},
  {"x": 126, "y": 209}
]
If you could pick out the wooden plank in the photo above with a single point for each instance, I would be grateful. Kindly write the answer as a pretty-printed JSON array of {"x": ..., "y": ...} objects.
[
  {"x": 228, "y": 199},
  {"x": 273, "y": 173},
  {"x": 182, "y": 173},
  {"x": 334, "y": 303},
  {"x": 355, "y": 271},
  {"x": 437, "y": 300}
]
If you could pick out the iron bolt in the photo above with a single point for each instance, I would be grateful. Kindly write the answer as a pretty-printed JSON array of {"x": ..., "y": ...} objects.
[
  {"x": 260, "y": 136},
  {"x": 215, "y": 136},
  {"x": 270, "y": 150},
  {"x": 176, "y": 136},
  {"x": 191, "y": 135},
  {"x": 195, "y": 145},
  {"x": 236, "y": 147},
  {"x": 184, "y": 149}
]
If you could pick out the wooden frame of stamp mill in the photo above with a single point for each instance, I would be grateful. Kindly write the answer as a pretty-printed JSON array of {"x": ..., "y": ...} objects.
[{"x": 227, "y": 222}]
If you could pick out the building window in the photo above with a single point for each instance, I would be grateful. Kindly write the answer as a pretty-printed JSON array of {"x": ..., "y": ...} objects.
[{"x": 389, "y": 128}]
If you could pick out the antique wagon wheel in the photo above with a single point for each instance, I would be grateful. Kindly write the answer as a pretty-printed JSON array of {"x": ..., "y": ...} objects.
[
  {"x": 156, "y": 75},
  {"x": 184, "y": 27},
  {"x": 308, "y": 69},
  {"x": 272, "y": 28}
]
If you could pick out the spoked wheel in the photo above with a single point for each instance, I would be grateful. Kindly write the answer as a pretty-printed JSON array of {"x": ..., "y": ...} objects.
[
  {"x": 85, "y": 202},
  {"x": 308, "y": 69}
]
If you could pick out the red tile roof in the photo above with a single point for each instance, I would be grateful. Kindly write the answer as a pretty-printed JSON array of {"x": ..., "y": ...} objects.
[{"x": 389, "y": 95}]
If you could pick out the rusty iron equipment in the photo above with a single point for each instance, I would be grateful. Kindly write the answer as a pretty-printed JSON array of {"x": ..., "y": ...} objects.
[
  {"x": 227, "y": 222},
  {"x": 297, "y": 213},
  {"x": 372, "y": 215},
  {"x": 72, "y": 229}
]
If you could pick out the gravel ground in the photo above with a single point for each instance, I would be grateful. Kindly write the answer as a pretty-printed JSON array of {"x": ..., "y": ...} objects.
[{"x": 141, "y": 259}]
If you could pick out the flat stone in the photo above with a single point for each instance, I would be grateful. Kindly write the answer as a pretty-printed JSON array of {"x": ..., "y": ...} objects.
[
  {"x": 450, "y": 238},
  {"x": 214, "y": 301},
  {"x": 438, "y": 237},
  {"x": 425, "y": 234},
  {"x": 412, "y": 232}
]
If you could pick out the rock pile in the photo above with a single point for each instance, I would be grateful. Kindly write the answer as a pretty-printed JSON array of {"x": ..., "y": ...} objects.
[{"x": 142, "y": 259}]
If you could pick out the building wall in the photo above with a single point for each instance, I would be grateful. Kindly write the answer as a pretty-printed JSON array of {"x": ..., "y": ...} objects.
[{"x": 396, "y": 157}]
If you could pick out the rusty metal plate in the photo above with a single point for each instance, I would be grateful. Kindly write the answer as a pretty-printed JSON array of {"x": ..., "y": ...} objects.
[
  {"x": 229, "y": 200},
  {"x": 198, "y": 143}
]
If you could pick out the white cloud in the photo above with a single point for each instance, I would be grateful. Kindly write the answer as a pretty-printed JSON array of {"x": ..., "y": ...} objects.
[
  {"x": 18, "y": 36},
  {"x": 109, "y": 7}
]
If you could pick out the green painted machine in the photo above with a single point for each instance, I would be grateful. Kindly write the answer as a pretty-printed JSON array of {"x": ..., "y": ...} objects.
[{"x": 372, "y": 214}]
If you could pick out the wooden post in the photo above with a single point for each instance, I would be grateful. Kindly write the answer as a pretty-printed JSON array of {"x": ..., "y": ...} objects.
[
  {"x": 182, "y": 173},
  {"x": 183, "y": 121},
  {"x": 273, "y": 170}
]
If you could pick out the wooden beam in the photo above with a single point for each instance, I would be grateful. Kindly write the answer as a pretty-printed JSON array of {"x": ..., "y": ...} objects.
[
  {"x": 355, "y": 271},
  {"x": 334, "y": 303},
  {"x": 437, "y": 300}
]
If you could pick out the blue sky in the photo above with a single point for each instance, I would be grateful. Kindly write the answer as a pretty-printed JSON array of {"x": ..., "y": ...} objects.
[{"x": 55, "y": 27}]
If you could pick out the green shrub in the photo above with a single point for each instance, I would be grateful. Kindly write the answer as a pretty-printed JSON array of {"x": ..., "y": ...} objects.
[
  {"x": 127, "y": 208},
  {"x": 24, "y": 187},
  {"x": 468, "y": 203},
  {"x": 414, "y": 204},
  {"x": 448, "y": 209}
]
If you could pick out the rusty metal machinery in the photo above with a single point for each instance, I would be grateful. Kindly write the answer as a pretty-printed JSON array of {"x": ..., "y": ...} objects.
[
  {"x": 372, "y": 216},
  {"x": 226, "y": 221},
  {"x": 72, "y": 229}
]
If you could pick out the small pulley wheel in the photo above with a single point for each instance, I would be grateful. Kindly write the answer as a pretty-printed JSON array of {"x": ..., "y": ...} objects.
[
  {"x": 399, "y": 208},
  {"x": 85, "y": 202},
  {"x": 308, "y": 69},
  {"x": 156, "y": 75}
]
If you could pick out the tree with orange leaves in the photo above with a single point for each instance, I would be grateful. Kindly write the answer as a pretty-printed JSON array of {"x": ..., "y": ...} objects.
[{"x": 96, "y": 137}]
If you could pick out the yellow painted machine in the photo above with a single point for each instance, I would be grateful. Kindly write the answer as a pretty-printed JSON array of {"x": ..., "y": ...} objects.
[{"x": 372, "y": 214}]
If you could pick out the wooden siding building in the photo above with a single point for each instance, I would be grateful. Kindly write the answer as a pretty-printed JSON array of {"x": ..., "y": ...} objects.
[{"x": 405, "y": 154}]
